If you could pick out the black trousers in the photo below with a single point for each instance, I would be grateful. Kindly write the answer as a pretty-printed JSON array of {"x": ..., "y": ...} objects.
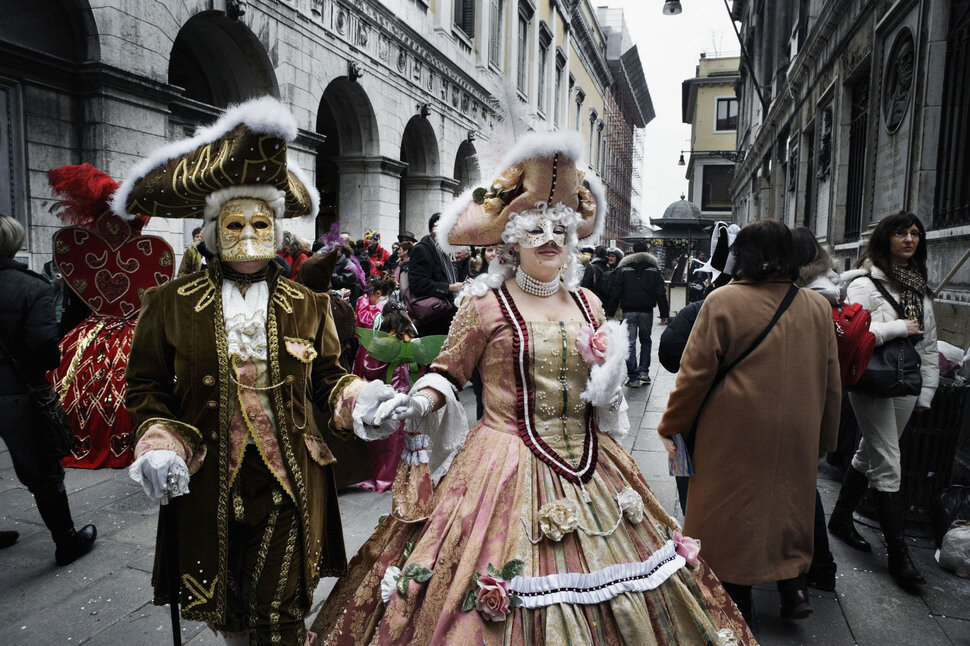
[{"x": 42, "y": 475}]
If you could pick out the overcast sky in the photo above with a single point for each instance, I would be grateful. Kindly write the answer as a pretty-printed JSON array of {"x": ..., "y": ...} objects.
[{"x": 669, "y": 48}]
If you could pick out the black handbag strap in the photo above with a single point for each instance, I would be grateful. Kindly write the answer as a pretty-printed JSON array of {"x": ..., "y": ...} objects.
[
  {"x": 889, "y": 297},
  {"x": 723, "y": 372}
]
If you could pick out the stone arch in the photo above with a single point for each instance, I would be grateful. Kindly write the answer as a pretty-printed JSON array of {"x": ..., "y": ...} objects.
[
  {"x": 466, "y": 171},
  {"x": 347, "y": 121},
  {"x": 219, "y": 61},
  {"x": 420, "y": 184},
  {"x": 65, "y": 29}
]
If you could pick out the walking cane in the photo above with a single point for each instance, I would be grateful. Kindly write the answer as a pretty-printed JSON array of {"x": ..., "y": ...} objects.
[{"x": 170, "y": 552}]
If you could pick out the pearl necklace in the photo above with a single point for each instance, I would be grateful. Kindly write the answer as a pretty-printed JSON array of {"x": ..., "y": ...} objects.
[{"x": 530, "y": 285}]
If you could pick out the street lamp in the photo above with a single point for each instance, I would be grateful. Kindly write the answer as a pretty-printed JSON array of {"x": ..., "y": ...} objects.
[
  {"x": 672, "y": 8},
  {"x": 681, "y": 161}
]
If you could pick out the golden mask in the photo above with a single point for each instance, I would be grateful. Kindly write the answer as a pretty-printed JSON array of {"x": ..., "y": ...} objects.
[{"x": 247, "y": 230}]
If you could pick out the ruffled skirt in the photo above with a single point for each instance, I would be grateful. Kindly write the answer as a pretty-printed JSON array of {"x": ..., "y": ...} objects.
[{"x": 610, "y": 581}]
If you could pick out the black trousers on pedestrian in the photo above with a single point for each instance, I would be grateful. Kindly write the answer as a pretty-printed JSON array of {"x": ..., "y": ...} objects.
[
  {"x": 822, "y": 560},
  {"x": 42, "y": 475}
]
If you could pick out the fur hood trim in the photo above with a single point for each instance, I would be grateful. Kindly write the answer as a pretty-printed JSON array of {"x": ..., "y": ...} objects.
[
  {"x": 637, "y": 258},
  {"x": 814, "y": 269}
]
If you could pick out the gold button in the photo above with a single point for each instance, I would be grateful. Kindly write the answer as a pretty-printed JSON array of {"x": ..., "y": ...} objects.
[
  {"x": 289, "y": 379},
  {"x": 214, "y": 436},
  {"x": 288, "y": 404},
  {"x": 212, "y": 404},
  {"x": 208, "y": 380}
]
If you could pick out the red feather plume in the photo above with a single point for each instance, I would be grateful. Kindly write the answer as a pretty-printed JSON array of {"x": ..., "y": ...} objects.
[{"x": 84, "y": 191}]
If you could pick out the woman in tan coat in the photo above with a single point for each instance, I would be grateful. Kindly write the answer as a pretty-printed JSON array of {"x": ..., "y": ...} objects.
[{"x": 751, "y": 500}]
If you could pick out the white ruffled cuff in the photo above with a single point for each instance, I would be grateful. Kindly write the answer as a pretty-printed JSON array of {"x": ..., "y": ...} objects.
[
  {"x": 613, "y": 419},
  {"x": 446, "y": 427},
  {"x": 369, "y": 400}
]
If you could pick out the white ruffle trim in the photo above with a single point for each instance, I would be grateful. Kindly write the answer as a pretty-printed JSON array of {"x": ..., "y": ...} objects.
[
  {"x": 606, "y": 380},
  {"x": 599, "y": 586},
  {"x": 415, "y": 449},
  {"x": 446, "y": 427},
  {"x": 245, "y": 319},
  {"x": 368, "y": 401}
]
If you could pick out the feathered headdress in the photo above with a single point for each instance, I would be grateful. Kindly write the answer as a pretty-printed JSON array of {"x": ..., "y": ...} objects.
[{"x": 85, "y": 193}]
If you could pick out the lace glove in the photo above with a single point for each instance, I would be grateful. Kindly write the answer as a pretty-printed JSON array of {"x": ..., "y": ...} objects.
[
  {"x": 369, "y": 425},
  {"x": 160, "y": 473}
]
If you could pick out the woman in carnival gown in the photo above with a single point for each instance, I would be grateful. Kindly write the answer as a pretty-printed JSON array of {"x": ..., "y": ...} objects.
[{"x": 541, "y": 529}]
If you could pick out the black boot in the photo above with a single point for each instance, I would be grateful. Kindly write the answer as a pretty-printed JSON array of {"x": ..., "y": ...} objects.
[
  {"x": 794, "y": 598},
  {"x": 70, "y": 544},
  {"x": 889, "y": 508},
  {"x": 854, "y": 487},
  {"x": 8, "y": 538}
]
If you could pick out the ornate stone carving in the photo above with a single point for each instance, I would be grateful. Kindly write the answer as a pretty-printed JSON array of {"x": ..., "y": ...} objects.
[
  {"x": 402, "y": 59},
  {"x": 897, "y": 84},
  {"x": 341, "y": 22}
]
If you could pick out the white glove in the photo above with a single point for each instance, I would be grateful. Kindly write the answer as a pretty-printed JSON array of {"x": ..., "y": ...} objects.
[
  {"x": 160, "y": 473},
  {"x": 412, "y": 407},
  {"x": 367, "y": 425}
]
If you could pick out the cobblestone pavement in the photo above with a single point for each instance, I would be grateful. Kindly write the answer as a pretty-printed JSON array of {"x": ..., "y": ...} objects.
[{"x": 103, "y": 599}]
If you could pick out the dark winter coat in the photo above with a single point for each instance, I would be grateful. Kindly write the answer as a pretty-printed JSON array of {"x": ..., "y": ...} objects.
[
  {"x": 429, "y": 274},
  {"x": 637, "y": 286},
  {"x": 28, "y": 327},
  {"x": 674, "y": 337},
  {"x": 593, "y": 277}
]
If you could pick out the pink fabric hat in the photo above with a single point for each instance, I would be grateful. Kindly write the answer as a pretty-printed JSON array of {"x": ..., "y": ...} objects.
[{"x": 540, "y": 168}]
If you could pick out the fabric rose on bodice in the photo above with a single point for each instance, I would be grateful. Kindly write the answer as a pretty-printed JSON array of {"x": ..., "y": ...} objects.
[
  {"x": 492, "y": 597},
  {"x": 631, "y": 504},
  {"x": 592, "y": 343},
  {"x": 558, "y": 518},
  {"x": 687, "y": 547}
]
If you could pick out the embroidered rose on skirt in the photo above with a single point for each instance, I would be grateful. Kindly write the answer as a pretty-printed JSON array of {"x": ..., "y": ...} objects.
[
  {"x": 558, "y": 518},
  {"x": 631, "y": 504},
  {"x": 490, "y": 594},
  {"x": 687, "y": 547},
  {"x": 592, "y": 344}
]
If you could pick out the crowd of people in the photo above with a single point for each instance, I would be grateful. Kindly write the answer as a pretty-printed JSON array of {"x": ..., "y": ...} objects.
[{"x": 534, "y": 523}]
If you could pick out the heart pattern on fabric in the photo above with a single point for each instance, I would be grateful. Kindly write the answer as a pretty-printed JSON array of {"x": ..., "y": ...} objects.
[
  {"x": 120, "y": 444},
  {"x": 80, "y": 446},
  {"x": 114, "y": 231},
  {"x": 131, "y": 265},
  {"x": 96, "y": 262},
  {"x": 110, "y": 267},
  {"x": 111, "y": 286}
]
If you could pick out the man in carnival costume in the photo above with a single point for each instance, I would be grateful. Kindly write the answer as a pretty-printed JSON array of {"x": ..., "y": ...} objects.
[{"x": 224, "y": 367}]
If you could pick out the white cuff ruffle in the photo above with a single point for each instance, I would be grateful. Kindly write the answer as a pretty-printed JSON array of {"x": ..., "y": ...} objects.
[{"x": 446, "y": 427}]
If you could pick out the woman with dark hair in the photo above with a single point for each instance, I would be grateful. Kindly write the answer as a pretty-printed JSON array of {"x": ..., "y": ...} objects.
[
  {"x": 894, "y": 261},
  {"x": 752, "y": 497}
]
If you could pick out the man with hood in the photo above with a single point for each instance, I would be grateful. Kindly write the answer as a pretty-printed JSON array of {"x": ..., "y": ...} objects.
[{"x": 637, "y": 286}]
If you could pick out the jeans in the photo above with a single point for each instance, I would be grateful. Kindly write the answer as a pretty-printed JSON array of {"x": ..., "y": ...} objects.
[{"x": 639, "y": 324}]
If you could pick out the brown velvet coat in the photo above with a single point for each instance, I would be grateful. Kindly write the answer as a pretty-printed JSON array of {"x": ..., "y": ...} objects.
[
  {"x": 752, "y": 498},
  {"x": 179, "y": 376}
]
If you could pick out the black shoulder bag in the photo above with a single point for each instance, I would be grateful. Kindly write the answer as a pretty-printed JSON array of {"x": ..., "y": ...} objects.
[
  {"x": 49, "y": 416},
  {"x": 894, "y": 370},
  {"x": 691, "y": 436}
]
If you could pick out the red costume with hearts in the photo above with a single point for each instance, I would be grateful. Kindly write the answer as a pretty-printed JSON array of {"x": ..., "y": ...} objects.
[{"x": 108, "y": 264}]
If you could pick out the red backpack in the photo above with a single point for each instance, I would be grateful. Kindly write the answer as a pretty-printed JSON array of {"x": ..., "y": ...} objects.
[{"x": 854, "y": 339}]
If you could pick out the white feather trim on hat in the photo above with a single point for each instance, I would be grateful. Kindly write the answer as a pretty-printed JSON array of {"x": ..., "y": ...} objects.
[
  {"x": 537, "y": 145},
  {"x": 265, "y": 115},
  {"x": 599, "y": 220},
  {"x": 448, "y": 220}
]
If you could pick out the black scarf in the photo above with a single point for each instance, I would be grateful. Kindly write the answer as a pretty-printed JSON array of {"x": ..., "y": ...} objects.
[{"x": 241, "y": 280}]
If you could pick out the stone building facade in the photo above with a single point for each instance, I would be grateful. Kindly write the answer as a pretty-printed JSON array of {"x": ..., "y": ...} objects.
[
  {"x": 863, "y": 111},
  {"x": 392, "y": 97}
]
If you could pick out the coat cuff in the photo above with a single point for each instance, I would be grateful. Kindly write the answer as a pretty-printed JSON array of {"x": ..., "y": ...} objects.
[
  {"x": 343, "y": 397},
  {"x": 925, "y": 397},
  {"x": 164, "y": 434}
]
